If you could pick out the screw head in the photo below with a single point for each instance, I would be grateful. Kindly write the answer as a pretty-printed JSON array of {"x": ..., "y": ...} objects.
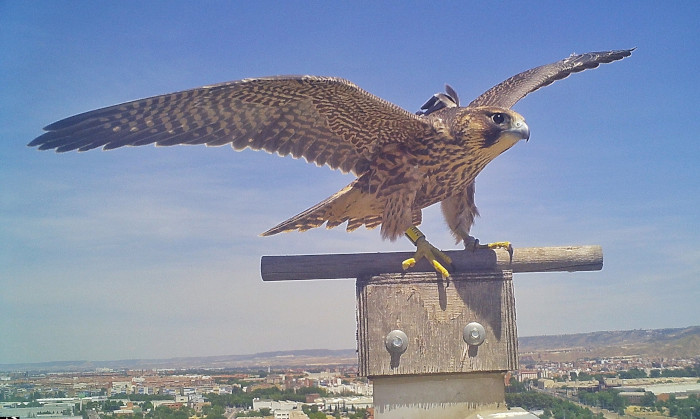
[
  {"x": 396, "y": 342},
  {"x": 474, "y": 334}
]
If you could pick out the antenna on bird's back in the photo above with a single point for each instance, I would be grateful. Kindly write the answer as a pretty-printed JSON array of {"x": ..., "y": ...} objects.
[{"x": 449, "y": 99}]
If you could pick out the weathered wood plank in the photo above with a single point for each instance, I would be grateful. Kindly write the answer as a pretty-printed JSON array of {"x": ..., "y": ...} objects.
[
  {"x": 433, "y": 314},
  {"x": 355, "y": 265},
  {"x": 438, "y": 396}
]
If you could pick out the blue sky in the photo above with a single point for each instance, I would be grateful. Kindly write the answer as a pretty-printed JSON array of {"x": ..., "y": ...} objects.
[{"x": 145, "y": 252}]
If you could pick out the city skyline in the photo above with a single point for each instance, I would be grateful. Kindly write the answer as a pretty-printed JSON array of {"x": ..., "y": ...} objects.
[{"x": 147, "y": 253}]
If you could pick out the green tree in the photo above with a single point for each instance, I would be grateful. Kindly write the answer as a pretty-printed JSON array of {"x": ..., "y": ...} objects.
[
  {"x": 515, "y": 387},
  {"x": 633, "y": 373},
  {"x": 215, "y": 412},
  {"x": 164, "y": 412},
  {"x": 607, "y": 399},
  {"x": 648, "y": 400},
  {"x": 358, "y": 414},
  {"x": 685, "y": 408},
  {"x": 111, "y": 405},
  {"x": 312, "y": 412},
  {"x": 582, "y": 376}
]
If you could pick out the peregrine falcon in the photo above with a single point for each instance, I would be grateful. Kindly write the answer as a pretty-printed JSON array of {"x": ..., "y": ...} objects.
[{"x": 404, "y": 162}]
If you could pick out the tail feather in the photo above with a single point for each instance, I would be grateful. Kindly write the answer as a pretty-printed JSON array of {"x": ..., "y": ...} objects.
[{"x": 349, "y": 204}]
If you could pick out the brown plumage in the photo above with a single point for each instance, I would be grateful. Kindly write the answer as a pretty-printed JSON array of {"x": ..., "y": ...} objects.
[{"x": 404, "y": 162}]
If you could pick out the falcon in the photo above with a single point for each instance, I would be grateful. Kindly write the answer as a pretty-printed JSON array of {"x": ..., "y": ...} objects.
[{"x": 404, "y": 162}]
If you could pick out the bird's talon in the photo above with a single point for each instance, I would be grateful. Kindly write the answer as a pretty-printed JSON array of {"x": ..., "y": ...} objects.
[
  {"x": 408, "y": 263},
  {"x": 472, "y": 243},
  {"x": 426, "y": 250},
  {"x": 441, "y": 269},
  {"x": 500, "y": 245},
  {"x": 439, "y": 253}
]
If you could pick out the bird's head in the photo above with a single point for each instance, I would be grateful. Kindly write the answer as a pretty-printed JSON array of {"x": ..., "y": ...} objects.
[{"x": 490, "y": 130}]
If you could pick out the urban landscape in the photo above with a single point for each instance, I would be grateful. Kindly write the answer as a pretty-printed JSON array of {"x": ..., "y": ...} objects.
[{"x": 644, "y": 385}]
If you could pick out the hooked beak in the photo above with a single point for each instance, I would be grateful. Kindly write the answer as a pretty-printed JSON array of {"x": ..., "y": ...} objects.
[{"x": 521, "y": 130}]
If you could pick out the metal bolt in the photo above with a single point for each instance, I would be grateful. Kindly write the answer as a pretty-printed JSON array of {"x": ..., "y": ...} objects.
[
  {"x": 396, "y": 342},
  {"x": 474, "y": 334}
]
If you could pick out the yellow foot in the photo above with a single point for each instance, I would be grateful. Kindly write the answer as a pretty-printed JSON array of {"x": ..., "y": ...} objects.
[
  {"x": 473, "y": 244},
  {"x": 501, "y": 245},
  {"x": 426, "y": 250}
]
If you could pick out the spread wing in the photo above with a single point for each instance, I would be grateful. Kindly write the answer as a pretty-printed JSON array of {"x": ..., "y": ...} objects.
[
  {"x": 507, "y": 93},
  {"x": 326, "y": 120}
]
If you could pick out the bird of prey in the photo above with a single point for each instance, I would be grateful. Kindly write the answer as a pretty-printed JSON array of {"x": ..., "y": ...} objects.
[{"x": 404, "y": 162}]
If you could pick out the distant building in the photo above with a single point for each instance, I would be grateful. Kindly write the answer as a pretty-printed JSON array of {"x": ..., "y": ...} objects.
[
  {"x": 223, "y": 389},
  {"x": 612, "y": 382},
  {"x": 352, "y": 402},
  {"x": 170, "y": 391},
  {"x": 167, "y": 403},
  {"x": 144, "y": 390},
  {"x": 120, "y": 387},
  {"x": 274, "y": 379},
  {"x": 633, "y": 397},
  {"x": 526, "y": 375},
  {"x": 311, "y": 397},
  {"x": 545, "y": 383},
  {"x": 275, "y": 405},
  {"x": 198, "y": 404},
  {"x": 290, "y": 414}
]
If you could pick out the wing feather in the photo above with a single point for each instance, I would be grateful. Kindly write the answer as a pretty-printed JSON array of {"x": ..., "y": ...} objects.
[
  {"x": 509, "y": 92},
  {"x": 326, "y": 120}
]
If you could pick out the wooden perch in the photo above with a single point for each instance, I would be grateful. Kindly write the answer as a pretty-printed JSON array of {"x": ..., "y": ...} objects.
[{"x": 356, "y": 265}]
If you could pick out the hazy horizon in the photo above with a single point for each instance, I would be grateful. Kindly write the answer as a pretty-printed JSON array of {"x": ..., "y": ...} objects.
[{"x": 245, "y": 354}]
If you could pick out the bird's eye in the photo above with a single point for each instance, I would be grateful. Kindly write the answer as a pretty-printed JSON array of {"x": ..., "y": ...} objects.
[{"x": 498, "y": 118}]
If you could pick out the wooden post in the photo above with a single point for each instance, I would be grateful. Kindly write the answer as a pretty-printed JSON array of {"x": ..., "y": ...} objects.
[
  {"x": 435, "y": 348},
  {"x": 439, "y": 375}
]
